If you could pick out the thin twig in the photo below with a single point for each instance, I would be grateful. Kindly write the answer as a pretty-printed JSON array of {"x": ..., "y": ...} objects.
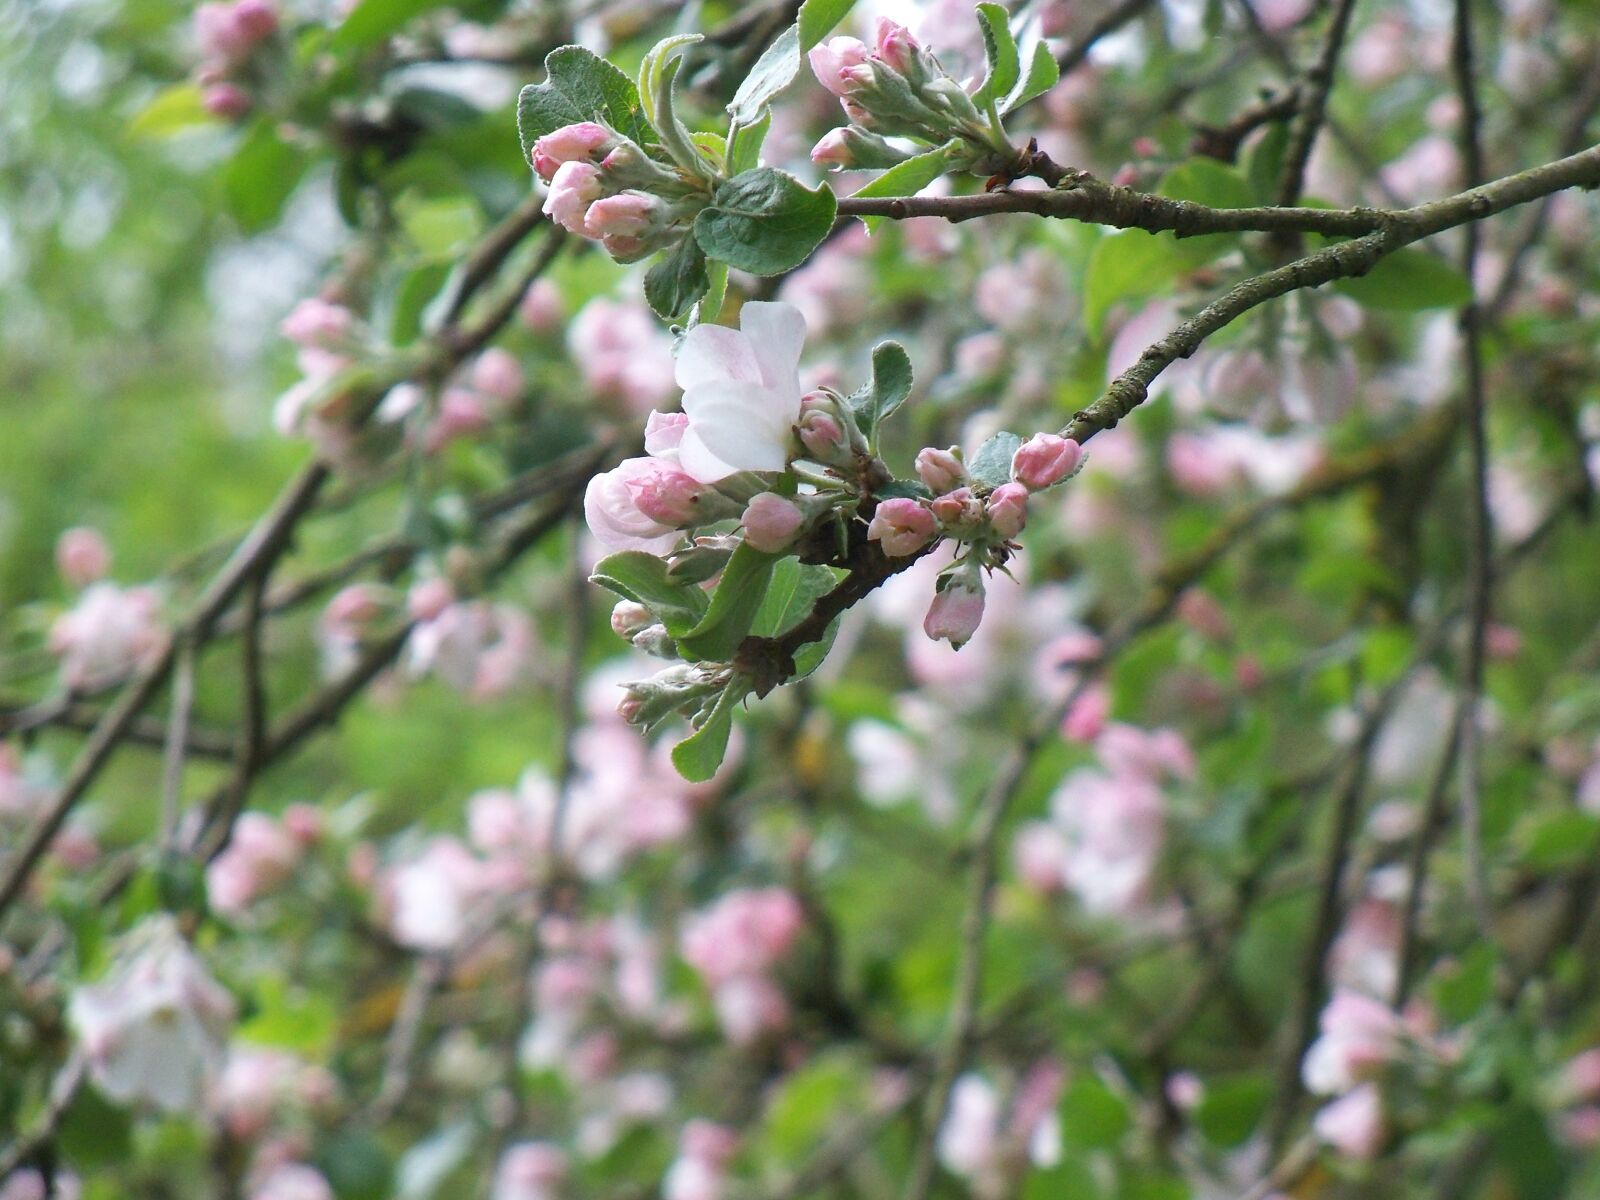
[
  {"x": 1314, "y": 104},
  {"x": 177, "y": 745}
]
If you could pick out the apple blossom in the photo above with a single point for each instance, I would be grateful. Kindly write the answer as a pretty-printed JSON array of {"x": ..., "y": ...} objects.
[
  {"x": 741, "y": 391},
  {"x": 573, "y": 188},
  {"x": 956, "y": 612},
  {"x": 940, "y": 470},
  {"x": 585, "y": 141},
  {"x": 1353, "y": 1124},
  {"x": 153, "y": 1029},
  {"x": 1359, "y": 1034},
  {"x": 1044, "y": 460},
  {"x": 837, "y": 64},
  {"x": 901, "y": 526},
  {"x": 530, "y": 1171},
  {"x": 771, "y": 522},
  {"x": 82, "y": 556},
  {"x": 1007, "y": 509}
]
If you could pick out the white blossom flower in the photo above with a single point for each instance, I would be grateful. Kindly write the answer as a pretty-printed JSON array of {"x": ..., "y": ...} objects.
[{"x": 741, "y": 391}]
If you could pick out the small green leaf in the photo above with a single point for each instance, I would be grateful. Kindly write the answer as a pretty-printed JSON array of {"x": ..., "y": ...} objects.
[
  {"x": 653, "y": 68},
  {"x": 765, "y": 221},
  {"x": 678, "y": 280},
  {"x": 642, "y": 578},
  {"x": 1557, "y": 840},
  {"x": 744, "y": 146},
  {"x": 1230, "y": 1108},
  {"x": 817, "y": 19},
  {"x": 699, "y": 755},
  {"x": 710, "y": 306},
  {"x": 580, "y": 86},
  {"x": 260, "y": 177},
  {"x": 1043, "y": 74},
  {"x": 991, "y": 465},
  {"x": 373, "y": 20},
  {"x": 793, "y": 591},
  {"x": 171, "y": 109},
  {"x": 774, "y": 70},
  {"x": 1000, "y": 48},
  {"x": 891, "y": 384},
  {"x": 1264, "y": 164},
  {"x": 907, "y": 178},
  {"x": 1092, "y": 1115},
  {"x": 1408, "y": 281},
  {"x": 733, "y": 607},
  {"x": 1209, "y": 182}
]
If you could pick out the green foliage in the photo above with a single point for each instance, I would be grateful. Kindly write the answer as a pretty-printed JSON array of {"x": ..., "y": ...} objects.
[
  {"x": 1000, "y": 51},
  {"x": 642, "y": 578},
  {"x": 733, "y": 608},
  {"x": 887, "y": 391},
  {"x": 580, "y": 86},
  {"x": 991, "y": 465},
  {"x": 906, "y": 178},
  {"x": 1408, "y": 281},
  {"x": 773, "y": 71},
  {"x": 817, "y": 19},
  {"x": 673, "y": 285},
  {"x": 764, "y": 221}
]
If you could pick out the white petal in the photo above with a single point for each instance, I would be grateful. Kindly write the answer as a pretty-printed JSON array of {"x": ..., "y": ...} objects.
[
  {"x": 777, "y": 332},
  {"x": 742, "y": 438},
  {"x": 694, "y": 458},
  {"x": 715, "y": 354}
]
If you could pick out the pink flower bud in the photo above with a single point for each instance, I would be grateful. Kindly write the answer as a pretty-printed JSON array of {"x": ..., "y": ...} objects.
[
  {"x": 1087, "y": 716},
  {"x": 941, "y": 470},
  {"x": 574, "y": 187},
  {"x": 229, "y": 32},
  {"x": 833, "y": 150},
  {"x": 901, "y": 526},
  {"x": 316, "y": 322},
  {"x": 771, "y": 522},
  {"x": 958, "y": 508},
  {"x": 226, "y": 100},
  {"x": 896, "y": 47},
  {"x": 955, "y": 613},
  {"x": 582, "y": 142},
  {"x": 625, "y": 215},
  {"x": 821, "y": 434},
  {"x": 666, "y": 494},
  {"x": 428, "y": 598},
  {"x": 1008, "y": 510},
  {"x": 256, "y": 19},
  {"x": 1353, "y": 1125},
  {"x": 833, "y": 60},
  {"x": 629, "y": 618},
  {"x": 82, "y": 556},
  {"x": 1044, "y": 460},
  {"x": 498, "y": 375},
  {"x": 541, "y": 309},
  {"x": 1580, "y": 1079}
]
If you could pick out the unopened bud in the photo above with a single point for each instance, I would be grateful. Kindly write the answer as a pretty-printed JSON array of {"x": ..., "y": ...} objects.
[
  {"x": 941, "y": 470},
  {"x": 956, "y": 611},
  {"x": 629, "y": 617},
  {"x": 1008, "y": 510},
  {"x": 771, "y": 523},
  {"x": 1045, "y": 460}
]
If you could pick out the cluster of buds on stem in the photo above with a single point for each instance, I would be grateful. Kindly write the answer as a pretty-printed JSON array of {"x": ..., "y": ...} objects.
[
  {"x": 609, "y": 189},
  {"x": 896, "y": 88},
  {"x": 230, "y": 37}
]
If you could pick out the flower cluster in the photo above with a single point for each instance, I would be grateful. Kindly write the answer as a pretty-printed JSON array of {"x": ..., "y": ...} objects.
[
  {"x": 229, "y": 36},
  {"x": 734, "y": 945},
  {"x": 896, "y": 88},
  {"x": 608, "y": 188}
]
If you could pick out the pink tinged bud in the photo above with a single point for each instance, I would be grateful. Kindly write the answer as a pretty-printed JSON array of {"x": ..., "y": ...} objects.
[
  {"x": 664, "y": 431},
  {"x": 574, "y": 187},
  {"x": 1580, "y": 1079},
  {"x": 940, "y": 470},
  {"x": 582, "y": 142},
  {"x": 901, "y": 526},
  {"x": 541, "y": 309},
  {"x": 955, "y": 614},
  {"x": 226, "y": 100},
  {"x": 833, "y": 150},
  {"x": 498, "y": 375},
  {"x": 1353, "y": 1125},
  {"x": 834, "y": 59},
  {"x": 666, "y": 494},
  {"x": 256, "y": 19},
  {"x": 317, "y": 322},
  {"x": 957, "y": 508},
  {"x": 821, "y": 435},
  {"x": 625, "y": 215},
  {"x": 896, "y": 47},
  {"x": 771, "y": 522},
  {"x": 1008, "y": 510},
  {"x": 1087, "y": 716},
  {"x": 428, "y": 598},
  {"x": 1044, "y": 460},
  {"x": 629, "y": 618},
  {"x": 82, "y": 556}
]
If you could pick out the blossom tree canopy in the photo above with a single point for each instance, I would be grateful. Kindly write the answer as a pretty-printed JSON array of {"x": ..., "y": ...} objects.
[{"x": 745, "y": 601}]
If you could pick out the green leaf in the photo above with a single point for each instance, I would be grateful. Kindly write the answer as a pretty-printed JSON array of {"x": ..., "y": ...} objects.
[
  {"x": 991, "y": 465},
  {"x": 699, "y": 755},
  {"x": 710, "y": 306},
  {"x": 744, "y": 146},
  {"x": 817, "y": 19},
  {"x": 793, "y": 591},
  {"x": 442, "y": 227},
  {"x": 678, "y": 280},
  {"x": 907, "y": 178},
  {"x": 1209, "y": 182},
  {"x": 260, "y": 177},
  {"x": 1557, "y": 840},
  {"x": 356, "y": 1165},
  {"x": 642, "y": 578},
  {"x": 1043, "y": 74},
  {"x": 1230, "y": 1108},
  {"x": 1092, "y": 1115},
  {"x": 170, "y": 110},
  {"x": 652, "y": 70},
  {"x": 813, "y": 654},
  {"x": 1408, "y": 281},
  {"x": 94, "y": 1132},
  {"x": 1000, "y": 48},
  {"x": 411, "y": 300},
  {"x": 1069, "y": 1179},
  {"x": 1264, "y": 164},
  {"x": 373, "y": 20},
  {"x": 733, "y": 607},
  {"x": 774, "y": 70},
  {"x": 580, "y": 86},
  {"x": 765, "y": 221},
  {"x": 891, "y": 384}
]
